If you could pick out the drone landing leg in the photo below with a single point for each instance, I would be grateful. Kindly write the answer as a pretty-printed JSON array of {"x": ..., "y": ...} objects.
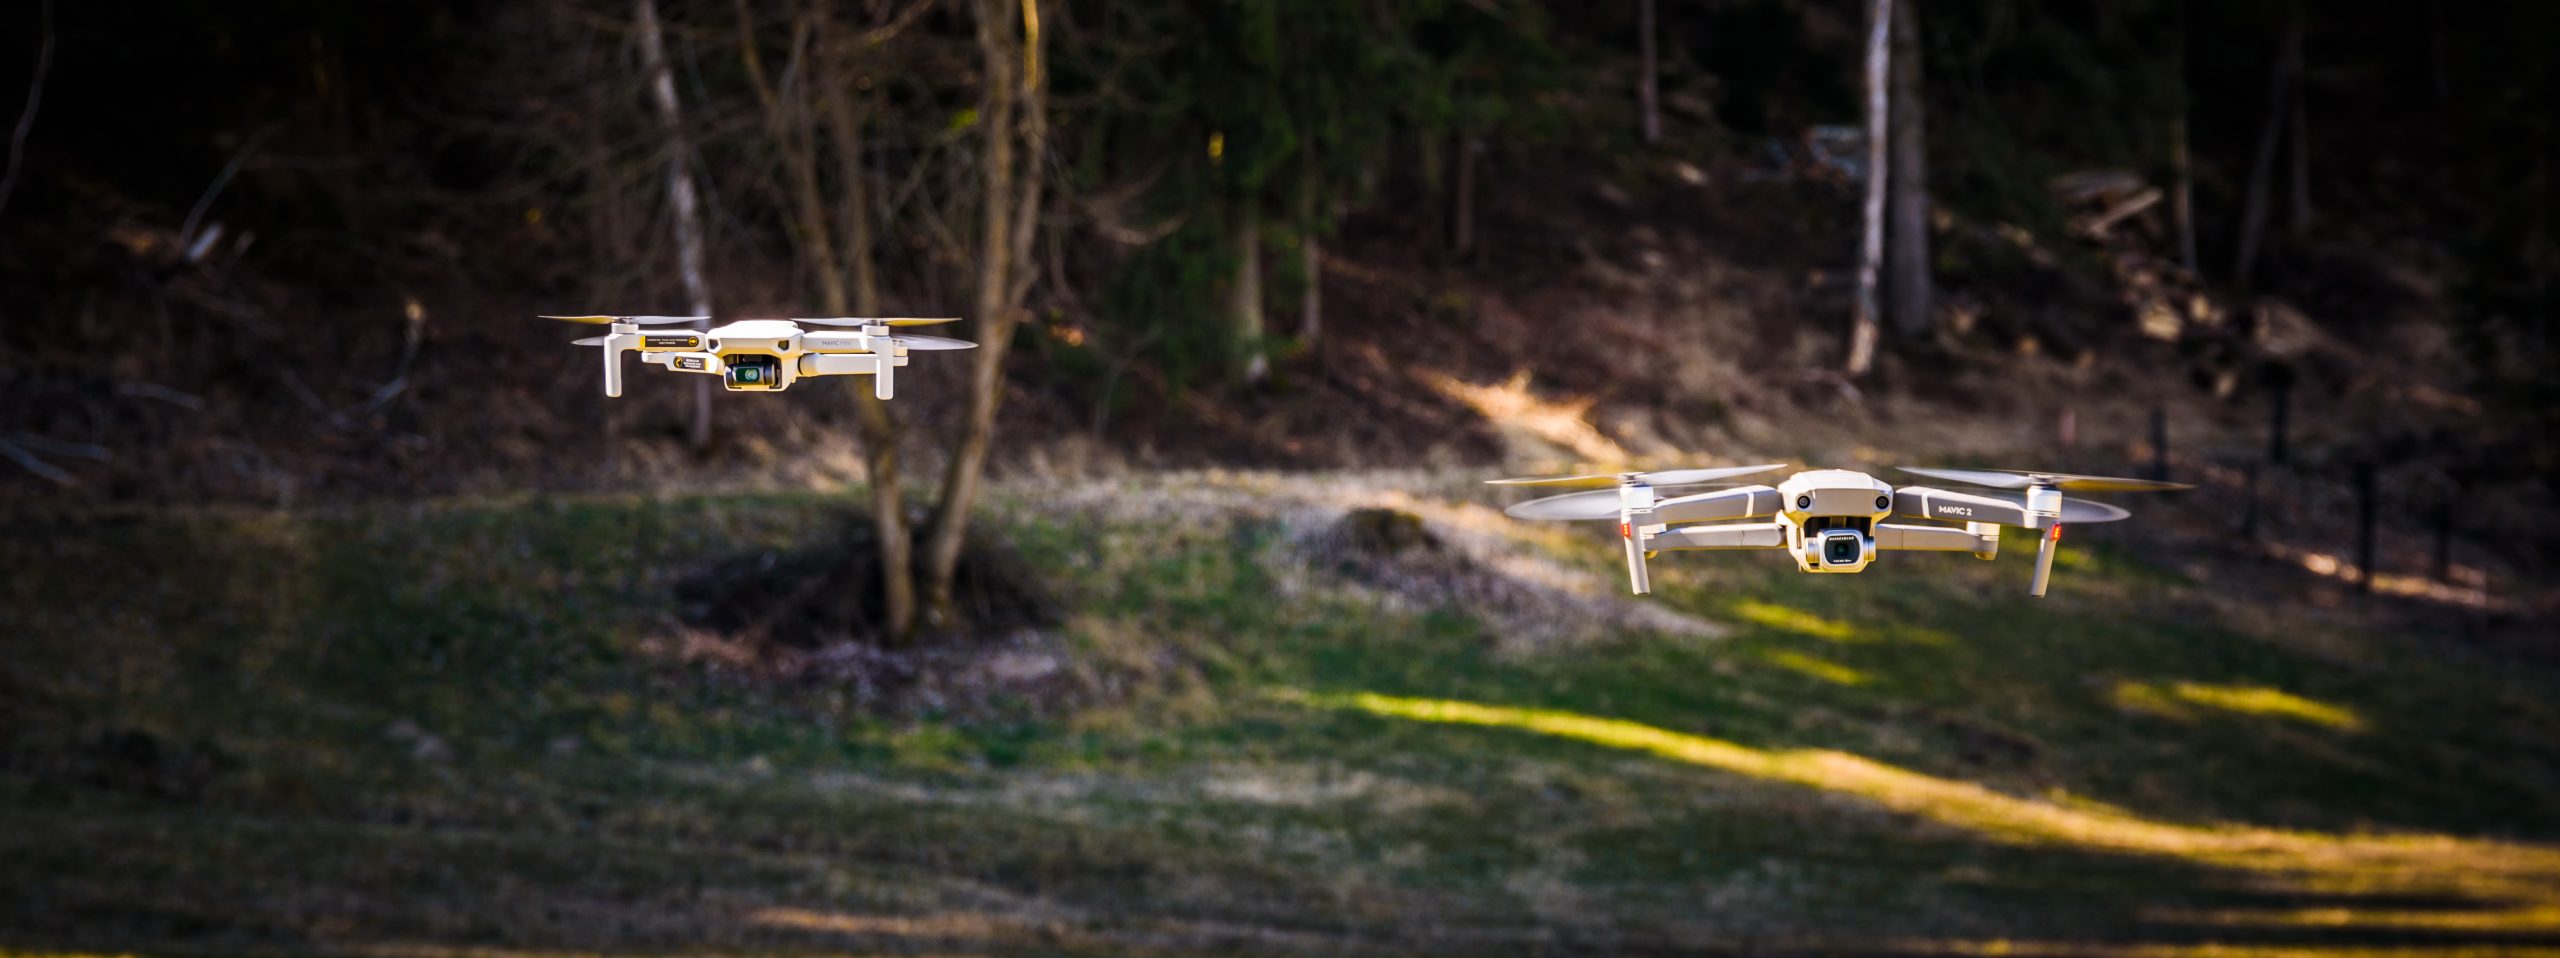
[
  {"x": 2044, "y": 559},
  {"x": 1638, "y": 577},
  {"x": 612, "y": 368}
]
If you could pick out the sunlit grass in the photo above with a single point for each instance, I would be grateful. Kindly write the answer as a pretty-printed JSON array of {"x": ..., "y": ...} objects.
[
  {"x": 2528, "y": 875},
  {"x": 1798, "y": 621},
  {"x": 1813, "y": 668},
  {"x": 2180, "y": 700}
]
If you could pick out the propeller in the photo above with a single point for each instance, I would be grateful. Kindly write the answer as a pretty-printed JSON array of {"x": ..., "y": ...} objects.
[
  {"x": 2021, "y": 479},
  {"x": 589, "y": 341},
  {"x": 869, "y": 321},
  {"x": 2082, "y": 511},
  {"x": 2044, "y": 498},
  {"x": 1667, "y": 477},
  {"x": 932, "y": 342},
  {"x": 641, "y": 320},
  {"x": 1595, "y": 504}
]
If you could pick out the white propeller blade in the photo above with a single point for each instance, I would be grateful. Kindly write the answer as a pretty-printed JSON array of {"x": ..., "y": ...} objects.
[
  {"x": 871, "y": 321},
  {"x": 1667, "y": 477},
  {"x": 2020, "y": 479}
]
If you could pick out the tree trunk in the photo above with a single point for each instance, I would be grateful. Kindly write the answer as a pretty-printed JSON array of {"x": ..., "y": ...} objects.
[
  {"x": 1462, "y": 196},
  {"x": 1011, "y": 201},
  {"x": 872, "y": 416},
  {"x": 2253, "y": 209},
  {"x": 1910, "y": 283},
  {"x": 2182, "y": 208},
  {"x": 684, "y": 206},
  {"x": 1244, "y": 304},
  {"x": 1310, "y": 257},
  {"x": 2182, "y": 204},
  {"x": 1862, "y": 332},
  {"x": 794, "y": 133},
  {"x": 1649, "y": 89},
  {"x": 2300, "y": 134}
]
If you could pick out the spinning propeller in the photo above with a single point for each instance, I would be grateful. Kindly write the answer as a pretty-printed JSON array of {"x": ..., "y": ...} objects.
[
  {"x": 871, "y": 321},
  {"x": 1628, "y": 497},
  {"x": 1667, "y": 477},
  {"x": 638, "y": 320},
  {"x": 2022, "y": 479},
  {"x": 2046, "y": 504},
  {"x": 931, "y": 342}
]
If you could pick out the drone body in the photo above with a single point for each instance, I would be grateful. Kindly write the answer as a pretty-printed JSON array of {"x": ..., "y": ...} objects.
[
  {"x": 763, "y": 355},
  {"x": 1827, "y": 520}
]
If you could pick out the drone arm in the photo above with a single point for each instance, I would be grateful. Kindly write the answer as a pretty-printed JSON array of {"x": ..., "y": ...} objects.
[
  {"x": 1732, "y": 535},
  {"x": 880, "y": 367},
  {"x": 1747, "y": 502},
  {"x": 1979, "y": 538},
  {"x": 1922, "y": 502}
]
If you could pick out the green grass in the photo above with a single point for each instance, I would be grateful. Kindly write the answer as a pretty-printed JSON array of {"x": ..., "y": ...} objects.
[{"x": 454, "y": 727}]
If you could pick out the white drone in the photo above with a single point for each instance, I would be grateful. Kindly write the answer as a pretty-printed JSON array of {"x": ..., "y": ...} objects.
[
  {"x": 763, "y": 355},
  {"x": 1830, "y": 520}
]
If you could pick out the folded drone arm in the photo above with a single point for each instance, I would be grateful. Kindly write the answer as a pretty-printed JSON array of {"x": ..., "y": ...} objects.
[
  {"x": 1979, "y": 538},
  {"x": 1922, "y": 502},
  {"x": 1734, "y": 535},
  {"x": 1746, "y": 502},
  {"x": 882, "y": 368}
]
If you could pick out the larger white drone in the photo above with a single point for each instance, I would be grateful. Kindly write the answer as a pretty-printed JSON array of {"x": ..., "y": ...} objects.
[
  {"x": 763, "y": 355},
  {"x": 1829, "y": 520}
]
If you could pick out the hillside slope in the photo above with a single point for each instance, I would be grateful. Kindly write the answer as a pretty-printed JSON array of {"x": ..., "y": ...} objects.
[{"x": 487, "y": 727}]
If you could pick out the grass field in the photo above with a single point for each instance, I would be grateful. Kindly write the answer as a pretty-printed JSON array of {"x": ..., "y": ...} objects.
[{"x": 482, "y": 728}]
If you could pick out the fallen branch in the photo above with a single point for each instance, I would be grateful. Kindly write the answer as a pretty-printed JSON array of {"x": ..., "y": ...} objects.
[
  {"x": 182, "y": 400},
  {"x": 57, "y": 447},
  {"x": 41, "y": 468},
  {"x": 2096, "y": 225}
]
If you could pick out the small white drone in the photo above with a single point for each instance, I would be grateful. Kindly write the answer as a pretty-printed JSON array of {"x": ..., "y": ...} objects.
[
  {"x": 1830, "y": 520},
  {"x": 763, "y": 355}
]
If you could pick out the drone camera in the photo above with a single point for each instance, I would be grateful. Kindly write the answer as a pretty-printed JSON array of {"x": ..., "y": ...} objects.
[
  {"x": 1837, "y": 550},
  {"x": 747, "y": 373}
]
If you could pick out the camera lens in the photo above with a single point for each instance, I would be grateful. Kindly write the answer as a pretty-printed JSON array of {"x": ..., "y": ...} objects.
[
  {"x": 1804, "y": 502},
  {"x": 1840, "y": 550},
  {"x": 1884, "y": 502}
]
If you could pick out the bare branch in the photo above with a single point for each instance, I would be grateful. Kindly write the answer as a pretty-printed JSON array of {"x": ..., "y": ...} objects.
[
  {"x": 41, "y": 468},
  {"x": 27, "y": 119}
]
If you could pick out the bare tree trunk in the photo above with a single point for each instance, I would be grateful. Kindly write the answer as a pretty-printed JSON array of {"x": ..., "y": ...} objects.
[
  {"x": 1862, "y": 332},
  {"x": 1649, "y": 90},
  {"x": 872, "y": 417},
  {"x": 2253, "y": 210},
  {"x": 793, "y": 132},
  {"x": 1011, "y": 205},
  {"x": 2300, "y": 221},
  {"x": 685, "y": 207},
  {"x": 2182, "y": 204},
  {"x": 1244, "y": 304},
  {"x": 1310, "y": 257},
  {"x": 1910, "y": 283},
  {"x": 1462, "y": 195}
]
